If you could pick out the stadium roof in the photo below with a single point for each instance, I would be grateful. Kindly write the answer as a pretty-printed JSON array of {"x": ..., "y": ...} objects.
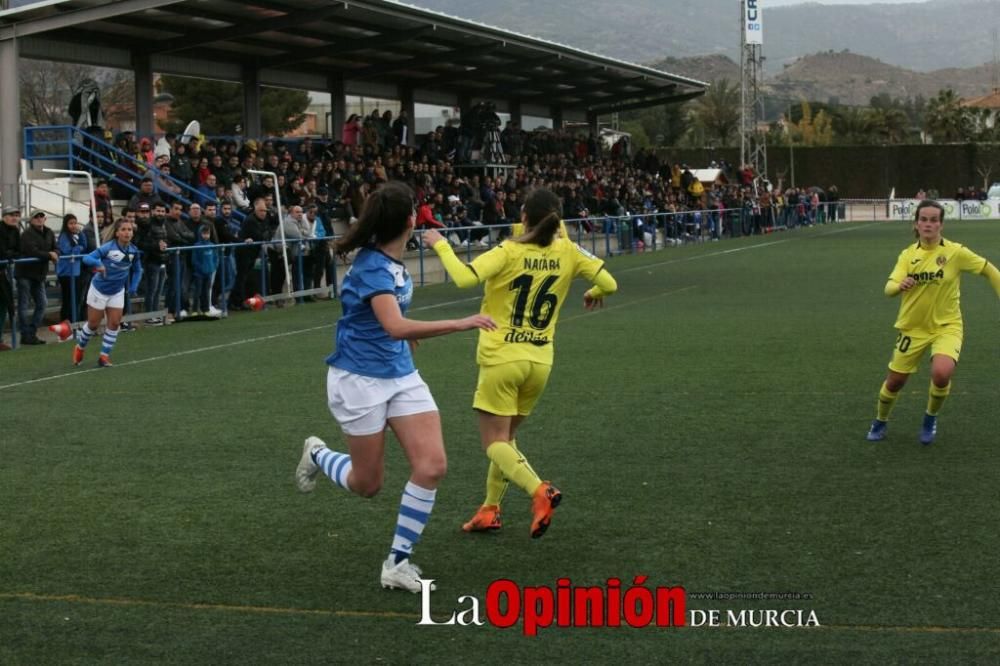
[{"x": 367, "y": 43}]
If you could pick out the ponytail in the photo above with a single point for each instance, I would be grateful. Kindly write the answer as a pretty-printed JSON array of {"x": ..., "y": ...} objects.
[
  {"x": 543, "y": 210},
  {"x": 383, "y": 218}
]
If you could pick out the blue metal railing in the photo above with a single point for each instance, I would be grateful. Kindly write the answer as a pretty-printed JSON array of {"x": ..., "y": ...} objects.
[
  {"x": 603, "y": 235},
  {"x": 87, "y": 152}
]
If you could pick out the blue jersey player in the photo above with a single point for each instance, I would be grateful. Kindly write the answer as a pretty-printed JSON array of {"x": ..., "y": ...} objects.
[
  {"x": 372, "y": 383},
  {"x": 116, "y": 266}
]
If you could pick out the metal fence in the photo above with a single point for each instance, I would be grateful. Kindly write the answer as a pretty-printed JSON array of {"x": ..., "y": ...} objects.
[{"x": 249, "y": 269}]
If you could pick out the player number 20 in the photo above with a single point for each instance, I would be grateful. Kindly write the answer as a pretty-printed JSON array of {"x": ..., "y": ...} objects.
[{"x": 903, "y": 342}]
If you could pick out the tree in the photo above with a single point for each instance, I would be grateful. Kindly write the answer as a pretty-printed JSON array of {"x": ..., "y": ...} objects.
[
  {"x": 946, "y": 119},
  {"x": 887, "y": 125},
  {"x": 812, "y": 130},
  {"x": 663, "y": 125},
  {"x": 218, "y": 106},
  {"x": 639, "y": 139},
  {"x": 717, "y": 113},
  {"x": 850, "y": 126}
]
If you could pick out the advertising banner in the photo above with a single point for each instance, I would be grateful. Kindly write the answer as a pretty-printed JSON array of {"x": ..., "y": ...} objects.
[
  {"x": 903, "y": 209},
  {"x": 753, "y": 24}
]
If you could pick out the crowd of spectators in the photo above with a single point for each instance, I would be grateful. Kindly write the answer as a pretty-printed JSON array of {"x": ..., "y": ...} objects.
[{"x": 182, "y": 193}]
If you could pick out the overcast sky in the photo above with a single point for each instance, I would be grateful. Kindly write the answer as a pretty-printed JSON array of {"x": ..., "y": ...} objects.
[{"x": 781, "y": 3}]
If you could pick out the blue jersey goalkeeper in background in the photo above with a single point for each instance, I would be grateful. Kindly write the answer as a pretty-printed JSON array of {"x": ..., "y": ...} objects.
[{"x": 927, "y": 276}]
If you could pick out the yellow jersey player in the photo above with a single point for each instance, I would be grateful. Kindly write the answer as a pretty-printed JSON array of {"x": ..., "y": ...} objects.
[
  {"x": 927, "y": 274},
  {"x": 527, "y": 279}
]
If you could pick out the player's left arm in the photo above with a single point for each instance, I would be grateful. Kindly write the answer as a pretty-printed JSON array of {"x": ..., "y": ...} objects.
[
  {"x": 973, "y": 263},
  {"x": 136, "y": 276},
  {"x": 991, "y": 273},
  {"x": 593, "y": 269}
]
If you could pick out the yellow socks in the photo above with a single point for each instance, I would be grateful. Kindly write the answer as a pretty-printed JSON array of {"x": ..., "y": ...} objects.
[
  {"x": 886, "y": 401},
  {"x": 512, "y": 465},
  {"x": 936, "y": 397},
  {"x": 496, "y": 486}
]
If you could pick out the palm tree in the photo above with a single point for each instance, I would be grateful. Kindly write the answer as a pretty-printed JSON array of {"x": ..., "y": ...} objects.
[
  {"x": 717, "y": 112},
  {"x": 850, "y": 126},
  {"x": 946, "y": 119},
  {"x": 887, "y": 125}
]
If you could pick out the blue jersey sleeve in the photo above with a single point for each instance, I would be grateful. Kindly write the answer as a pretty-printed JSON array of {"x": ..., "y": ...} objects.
[
  {"x": 94, "y": 258},
  {"x": 133, "y": 285},
  {"x": 374, "y": 279}
]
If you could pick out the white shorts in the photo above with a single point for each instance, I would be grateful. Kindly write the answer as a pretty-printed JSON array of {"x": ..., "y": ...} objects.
[
  {"x": 363, "y": 405},
  {"x": 99, "y": 301}
]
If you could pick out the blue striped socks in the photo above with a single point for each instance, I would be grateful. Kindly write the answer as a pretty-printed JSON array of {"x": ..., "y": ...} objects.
[
  {"x": 335, "y": 465},
  {"x": 414, "y": 509},
  {"x": 83, "y": 335},
  {"x": 108, "y": 342}
]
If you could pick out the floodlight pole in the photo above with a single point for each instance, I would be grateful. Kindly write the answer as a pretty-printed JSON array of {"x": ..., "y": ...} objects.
[
  {"x": 281, "y": 227},
  {"x": 93, "y": 199}
]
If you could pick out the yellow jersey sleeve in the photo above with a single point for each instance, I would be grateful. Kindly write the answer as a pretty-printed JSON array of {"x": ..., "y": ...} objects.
[
  {"x": 490, "y": 263},
  {"x": 933, "y": 302},
  {"x": 969, "y": 261},
  {"x": 460, "y": 272},
  {"x": 991, "y": 273},
  {"x": 898, "y": 274}
]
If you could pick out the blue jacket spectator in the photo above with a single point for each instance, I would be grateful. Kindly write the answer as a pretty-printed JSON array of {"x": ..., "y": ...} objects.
[
  {"x": 72, "y": 244},
  {"x": 204, "y": 258}
]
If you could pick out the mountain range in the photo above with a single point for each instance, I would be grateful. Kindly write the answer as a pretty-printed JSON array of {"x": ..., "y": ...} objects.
[
  {"x": 843, "y": 77},
  {"x": 920, "y": 36}
]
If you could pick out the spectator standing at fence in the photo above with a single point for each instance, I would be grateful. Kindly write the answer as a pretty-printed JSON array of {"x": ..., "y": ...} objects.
[
  {"x": 927, "y": 275},
  {"x": 256, "y": 227},
  {"x": 10, "y": 249},
  {"x": 72, "y": 244},
  {"x": 204, "y": 264},
  {"x": 526, "y": 281},
  {"x": 293, "y": 226},
  {"x": 372, "y": 383},
  {"x": 832, "y": 203},
  {"x": 312, "y": 249},
  {"x": 179, "y": 235},
  {"x": 39, "y": 243},
  {"x": 152, "y": 242},
  {"x": 118, "y": 270}
]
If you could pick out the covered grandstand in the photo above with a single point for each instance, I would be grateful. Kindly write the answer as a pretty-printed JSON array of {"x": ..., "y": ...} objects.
[{"x": 376, "y": 48}]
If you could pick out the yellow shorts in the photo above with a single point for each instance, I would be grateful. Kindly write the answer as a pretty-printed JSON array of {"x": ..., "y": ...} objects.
[
  {"x": 910, "y": 348},
  {"x": 510, "y": 389}
]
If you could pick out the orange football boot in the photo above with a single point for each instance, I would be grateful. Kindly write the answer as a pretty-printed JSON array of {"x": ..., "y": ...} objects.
[
  {"x": 487, "y": 519},
  {"x": 543, "y": 503}
]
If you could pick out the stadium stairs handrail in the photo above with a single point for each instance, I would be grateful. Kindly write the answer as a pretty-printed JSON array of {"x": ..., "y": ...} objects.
[{"x": 103, "y": 159}]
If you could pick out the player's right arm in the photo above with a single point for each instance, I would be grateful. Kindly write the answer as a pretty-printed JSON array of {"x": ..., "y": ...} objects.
[
  {"x": 899, "y": 281},
  {"x": 387, "y": 311},
  {"x": 465, "y": 275},
  {"x": 95, "y": 260}
]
